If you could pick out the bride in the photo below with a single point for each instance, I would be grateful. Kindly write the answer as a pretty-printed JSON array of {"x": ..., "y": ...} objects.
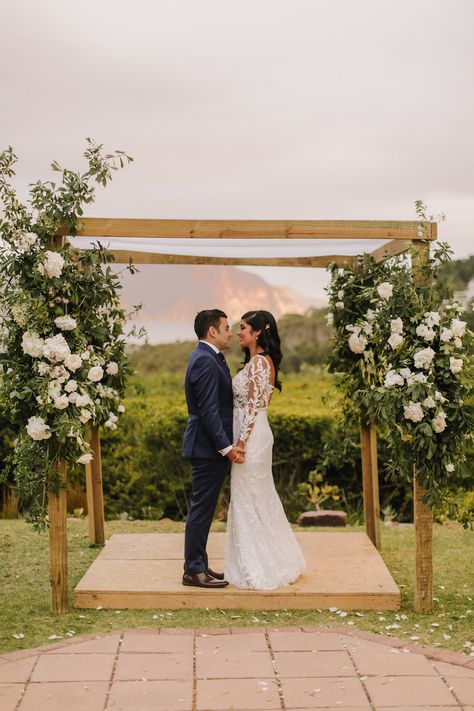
[{"x": 261, "y": 550}]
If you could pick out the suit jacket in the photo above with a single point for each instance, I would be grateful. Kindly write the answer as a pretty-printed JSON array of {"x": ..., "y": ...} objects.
[{"x": 208, "y": 388}]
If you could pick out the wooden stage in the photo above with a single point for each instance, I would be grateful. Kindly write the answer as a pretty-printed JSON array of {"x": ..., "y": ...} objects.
[{"x": 143, "y": 571}]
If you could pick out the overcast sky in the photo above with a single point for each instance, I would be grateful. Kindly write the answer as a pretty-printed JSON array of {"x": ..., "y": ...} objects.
[{"x": 299, "y": 109}]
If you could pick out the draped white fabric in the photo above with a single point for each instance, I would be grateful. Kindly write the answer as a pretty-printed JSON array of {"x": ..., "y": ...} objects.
[{"x": 235, "y": 248}]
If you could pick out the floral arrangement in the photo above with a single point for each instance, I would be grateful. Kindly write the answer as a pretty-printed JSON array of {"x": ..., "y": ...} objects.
[
  {"x": 62, "y": 329},
  {"x": 401, "y": 349}
]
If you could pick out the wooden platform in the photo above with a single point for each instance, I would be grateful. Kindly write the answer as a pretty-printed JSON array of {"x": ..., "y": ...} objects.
[{"x": 143, "y": 571}]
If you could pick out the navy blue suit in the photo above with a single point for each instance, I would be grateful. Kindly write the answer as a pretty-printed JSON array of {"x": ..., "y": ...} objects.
[{"x": 208, "y": 388}]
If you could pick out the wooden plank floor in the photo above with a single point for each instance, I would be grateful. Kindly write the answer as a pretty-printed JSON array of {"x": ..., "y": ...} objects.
[{"x": 143, "y": 571}]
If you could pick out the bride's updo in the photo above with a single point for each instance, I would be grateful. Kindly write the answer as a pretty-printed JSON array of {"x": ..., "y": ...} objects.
[{"x": 268, "y": 339}]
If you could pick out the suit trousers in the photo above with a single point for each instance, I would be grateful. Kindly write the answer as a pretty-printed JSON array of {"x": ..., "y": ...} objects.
[{"x": 207, "y": 478}]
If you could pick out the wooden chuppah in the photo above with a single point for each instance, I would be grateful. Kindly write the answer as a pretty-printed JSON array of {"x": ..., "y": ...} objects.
[{"x": 398, "y": 236}]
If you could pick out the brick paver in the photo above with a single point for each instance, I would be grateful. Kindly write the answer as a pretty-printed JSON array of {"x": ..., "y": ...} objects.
[{"x": 243, "y": 669}]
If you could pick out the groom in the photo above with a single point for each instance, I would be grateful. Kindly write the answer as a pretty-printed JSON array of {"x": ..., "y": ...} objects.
[{"x": 207, "y": 440}]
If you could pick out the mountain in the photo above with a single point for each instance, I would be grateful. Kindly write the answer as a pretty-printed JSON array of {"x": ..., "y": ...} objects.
[{"x": 171, "y": 296}]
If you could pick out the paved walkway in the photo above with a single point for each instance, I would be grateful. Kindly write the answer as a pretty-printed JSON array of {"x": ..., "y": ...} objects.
[{"x": 234, "y": 669}]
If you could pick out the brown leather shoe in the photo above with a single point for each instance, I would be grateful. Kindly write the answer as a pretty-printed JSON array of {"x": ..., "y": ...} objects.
[
  {"x": 217, "y": 576},
  {"x": 203, "y": 580}
]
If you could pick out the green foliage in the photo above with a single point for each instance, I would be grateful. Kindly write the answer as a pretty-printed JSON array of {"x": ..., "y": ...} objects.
[
  {"x": 316, "y": 491},
  {"x": 62, "y": 328}
]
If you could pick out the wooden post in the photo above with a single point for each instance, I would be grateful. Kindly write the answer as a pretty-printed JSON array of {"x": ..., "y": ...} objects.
[
  {"x": 422, "y": 514},
  {"x": 370, "y": 481},
  {"x": 95, "y": 496},
  {"x": 57, "y": 511}
]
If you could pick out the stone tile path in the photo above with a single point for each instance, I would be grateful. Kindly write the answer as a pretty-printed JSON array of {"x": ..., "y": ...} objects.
[{"x": 236, "y": 669}]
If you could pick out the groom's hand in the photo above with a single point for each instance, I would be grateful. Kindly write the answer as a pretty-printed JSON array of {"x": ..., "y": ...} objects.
[{"x": 237, "y": 454}]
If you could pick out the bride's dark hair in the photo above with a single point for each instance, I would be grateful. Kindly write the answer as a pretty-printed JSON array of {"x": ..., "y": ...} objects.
[{"x": 268, "y": 339}]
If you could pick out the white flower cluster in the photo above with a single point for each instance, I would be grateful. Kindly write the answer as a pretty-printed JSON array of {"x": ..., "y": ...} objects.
[
  {"x": 24, "y": 242},
  {"x": 38, "y": 429},
  {"x": 396, "y": 337},
  {"x": 52, "y": 265},
  {"x": 385, "y": 290}
]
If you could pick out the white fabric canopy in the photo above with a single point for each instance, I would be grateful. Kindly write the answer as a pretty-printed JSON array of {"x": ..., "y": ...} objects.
[{"x": 237, "y": 248}]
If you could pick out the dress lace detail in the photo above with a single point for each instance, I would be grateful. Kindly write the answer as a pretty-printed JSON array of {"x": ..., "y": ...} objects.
[{"x": 261, "y": 550}]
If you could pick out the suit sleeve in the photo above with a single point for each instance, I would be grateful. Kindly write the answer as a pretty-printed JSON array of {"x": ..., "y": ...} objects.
[{"x": 206, "y": 387}]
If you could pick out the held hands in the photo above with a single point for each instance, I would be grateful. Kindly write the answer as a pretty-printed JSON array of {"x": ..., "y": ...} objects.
[{"x": 237, "y": 453}]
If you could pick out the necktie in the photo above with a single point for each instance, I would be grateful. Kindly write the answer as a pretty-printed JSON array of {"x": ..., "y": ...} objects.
[{"x": 221, "y": 356}]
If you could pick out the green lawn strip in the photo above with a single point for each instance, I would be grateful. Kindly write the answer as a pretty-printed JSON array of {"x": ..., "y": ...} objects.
[{"x": 25, "y": 593}]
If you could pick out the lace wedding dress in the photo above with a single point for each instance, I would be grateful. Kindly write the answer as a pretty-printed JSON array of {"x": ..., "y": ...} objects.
[{"x": 261, "y": 550}]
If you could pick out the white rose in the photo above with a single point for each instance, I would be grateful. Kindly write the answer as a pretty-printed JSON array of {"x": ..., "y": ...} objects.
[
  {"x": 446, "y": 334},
  {"x": 71, "y": 386},
  {"x": 450, "y": 468},
  {"x": 73, "y": 362},
  {"x": 85, "y": 355},
  {"x": 458, "y": 327},
  {"x": 73, "y": 397},
  {"x": 52, "y": 265},
  {"x": 65, "y": 323},
  {"x": 385, "y": 290},
  {"x": 424, "y": 332},
  {"x": 111, "y": 425},
  {"x": 396, "y": 325},
  {"x": 54, "y": 388},
  {"x": 393, "y": 378},
  {"x": 406, "y": 372},
  {"x": 26, "y": 242},
  {"x": 395, "y": 340},
  {"x": 112, "y": 368},
  {"x": 60, "y": 373},
  {"x": 429, "y": 402},
  {"x": 340, "y": 294},
  {"x": 339, "y": 304},
  {"x": 113, "y": 417},
  {"x": 38, "y": 429},
  {"x": 413, "y": 411},
  {"x": 56, "y": 348},
  {"x": 61, "y": 402},
  {"x": 95, "y": 374},
  {"x": 85, "y": 459},
  {"x": 120, "y": 408},
  {"x": 32, "y": 344},
  {"x": 455, "y": 365},
  {"x": 83, "y": 400},
  {"x": 85, "y": 416},
  {"x": 357, "y": 343},
  {"x": 432, "y": 318},
  {"x": 330, "y": 318},
  {"x": 439, "y": 396},
  {"x": 423, "y": 358},
  {"x": 420, "y": 378},
  {"x": 457, "y": 342},
  {"x": 439, "y": 422}
]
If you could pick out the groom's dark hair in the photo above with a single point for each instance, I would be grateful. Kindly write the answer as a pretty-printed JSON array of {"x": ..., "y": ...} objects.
[{"x": 205, "y": 319}]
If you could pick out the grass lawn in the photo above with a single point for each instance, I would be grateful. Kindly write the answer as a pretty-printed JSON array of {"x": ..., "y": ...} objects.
[{"x": 24, "y": 608}]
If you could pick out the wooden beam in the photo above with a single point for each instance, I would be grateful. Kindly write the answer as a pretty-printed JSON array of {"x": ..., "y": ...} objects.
[
  {"x": 57, "y": 513},
  {"x": 124, "y": 256},
  {"x": 247, "y": 229},
  {"x": 370, "y": 482},
  {"x": 392, "y": 248},
  {"x": 423, "y": 515},
  {"x": 95, "y": 494}
]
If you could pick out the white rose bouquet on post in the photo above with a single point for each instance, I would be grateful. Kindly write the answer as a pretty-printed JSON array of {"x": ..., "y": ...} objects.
[
  {"x": 402, "y": 354},
  {"x": 62, "y": 329}
]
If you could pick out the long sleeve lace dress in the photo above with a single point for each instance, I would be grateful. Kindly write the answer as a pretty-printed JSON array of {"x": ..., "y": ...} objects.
[{"x": 261, "y": 550}]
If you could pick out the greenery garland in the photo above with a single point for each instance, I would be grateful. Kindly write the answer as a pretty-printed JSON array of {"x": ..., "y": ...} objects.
[
  {"x": 62, "y": 329},
  {"x": 401, "y": 350}
]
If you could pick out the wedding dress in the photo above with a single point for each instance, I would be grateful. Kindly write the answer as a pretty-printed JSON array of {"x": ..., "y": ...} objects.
[{"x": 261, "y": 550}]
